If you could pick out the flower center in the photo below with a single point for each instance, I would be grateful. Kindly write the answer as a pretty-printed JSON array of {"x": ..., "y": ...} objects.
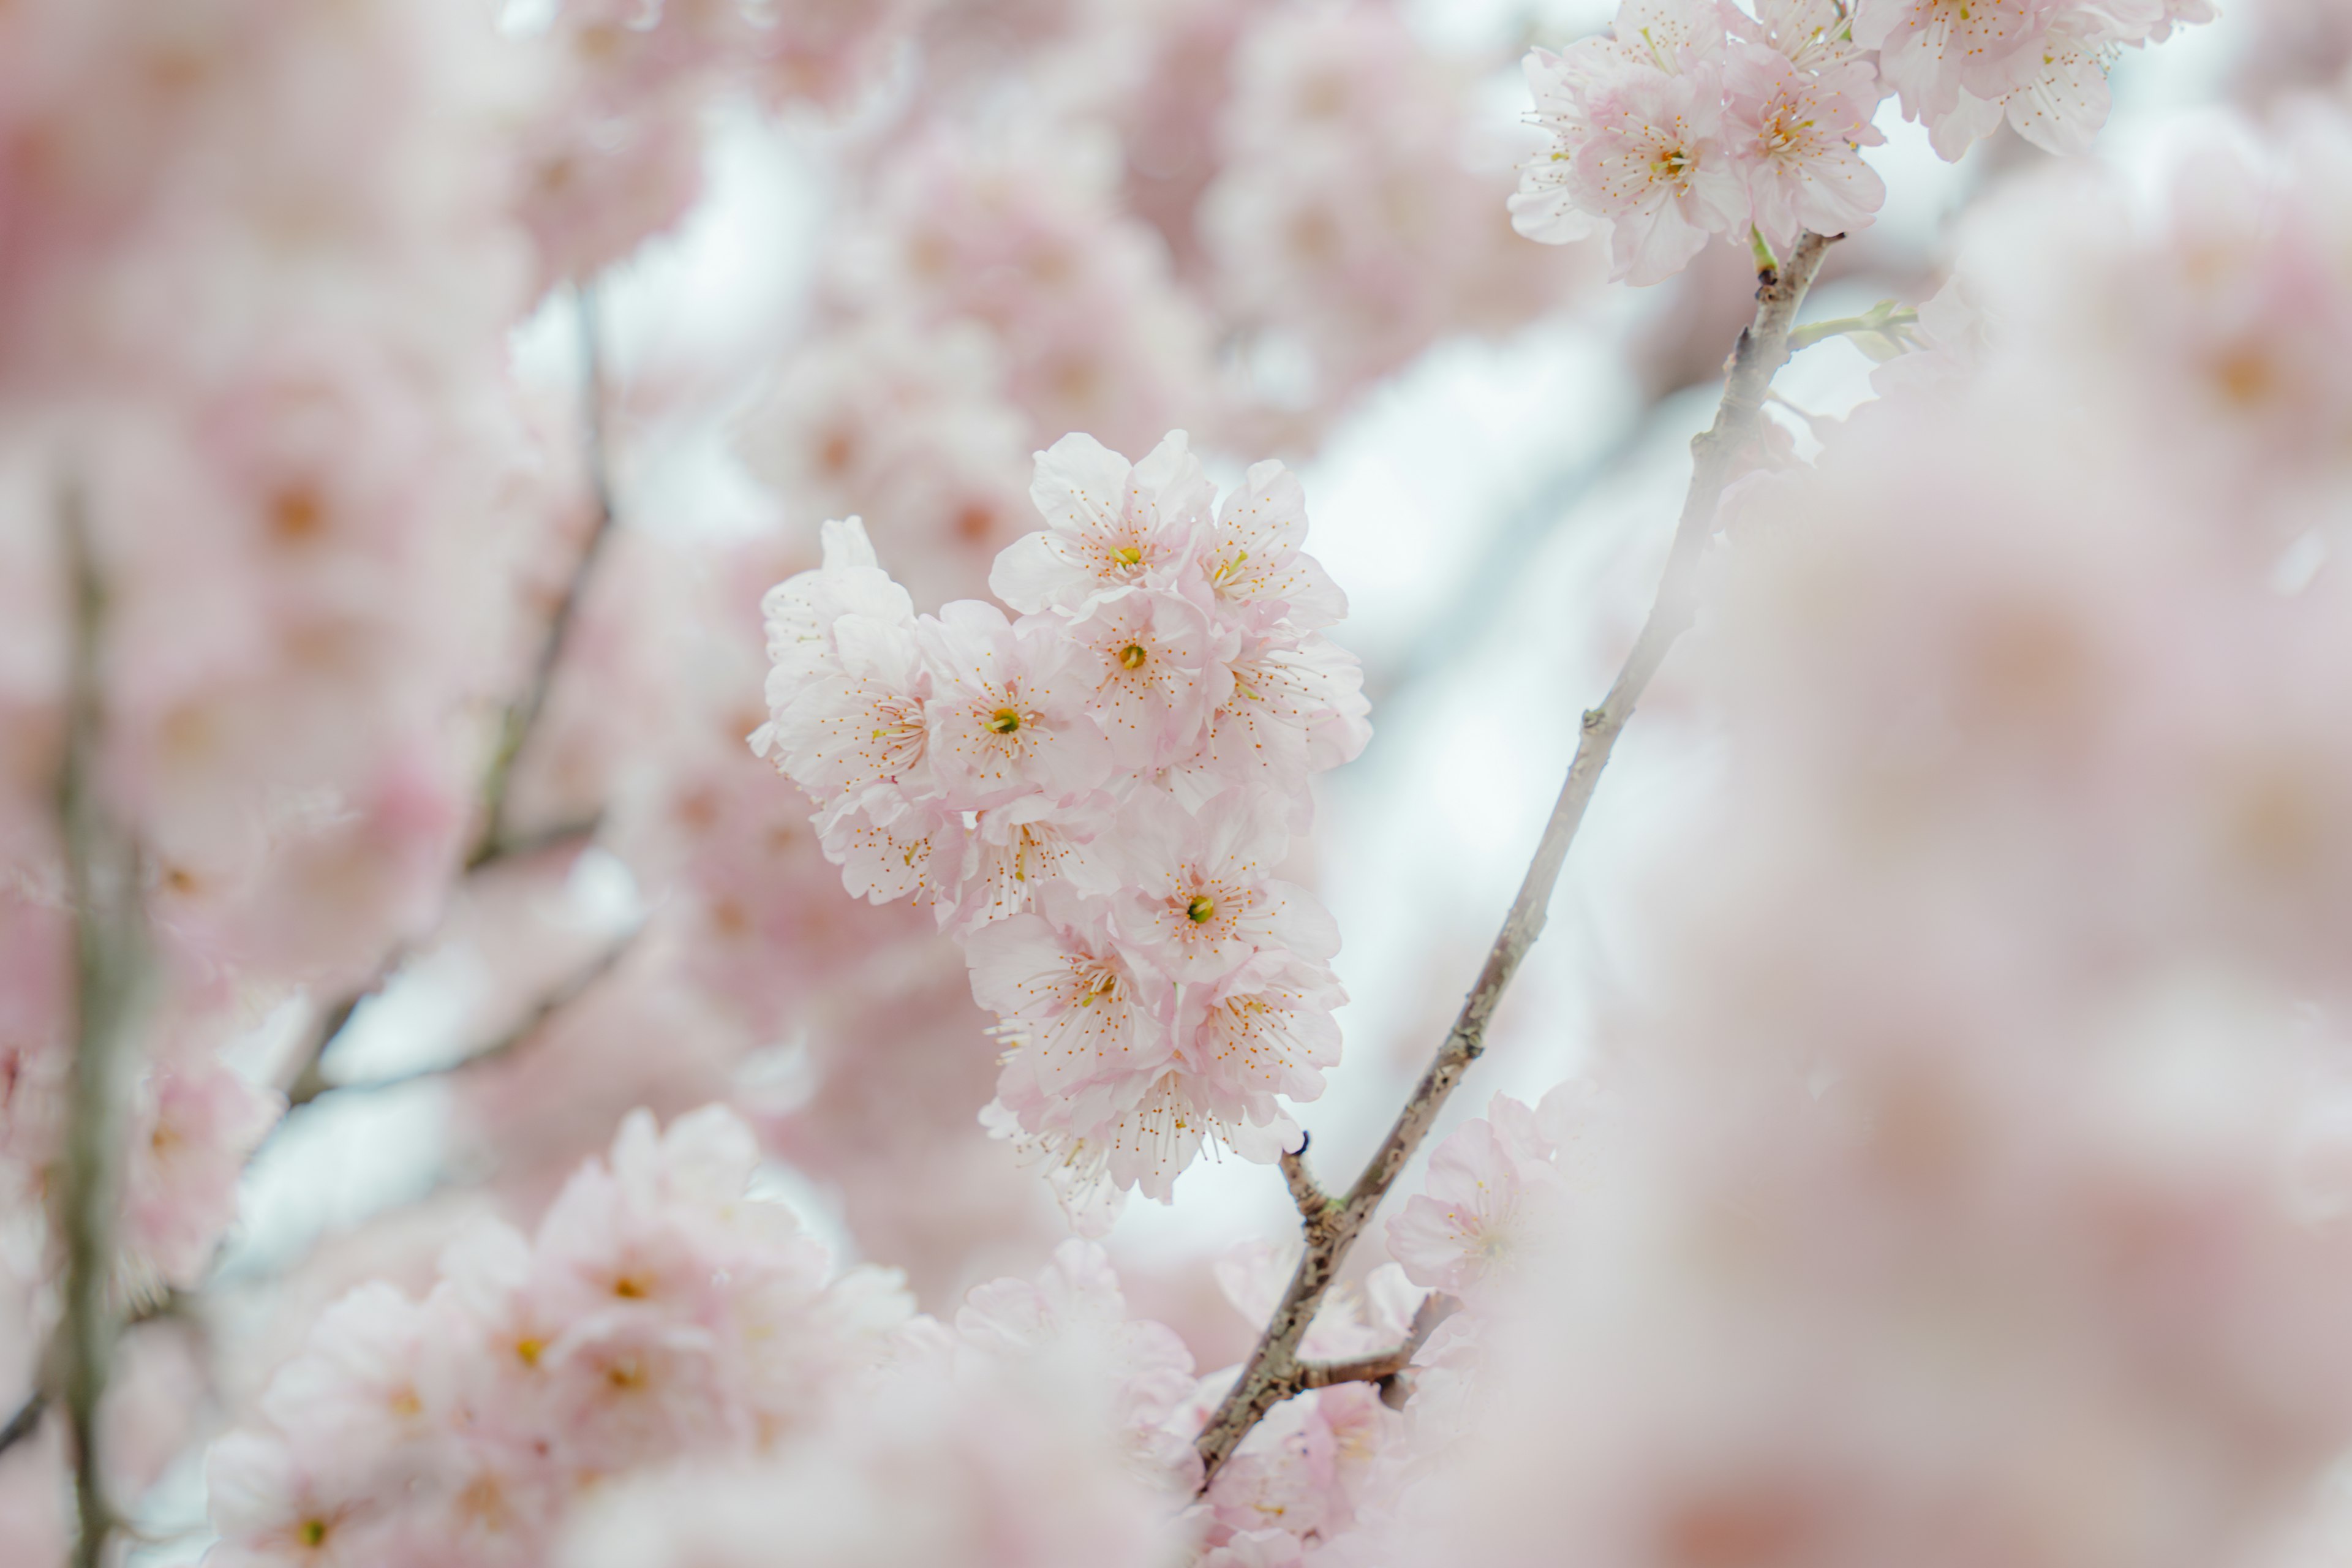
[
  {"x": 314, "y": 1531},
  {"x": 1127, "y": 555},
  {"x": 1132, "y": 655},
  {"x": 1004, "y": 721},
  {"x": 1202, "y": 909}
]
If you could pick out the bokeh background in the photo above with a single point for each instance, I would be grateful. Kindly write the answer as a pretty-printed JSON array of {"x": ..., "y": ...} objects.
[{"x": 875, "y": 284}]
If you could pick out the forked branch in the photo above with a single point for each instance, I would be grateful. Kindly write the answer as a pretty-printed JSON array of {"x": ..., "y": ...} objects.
[
  {"x": 1273, "y": 1371},
  {"x": 498, "y": 844}
]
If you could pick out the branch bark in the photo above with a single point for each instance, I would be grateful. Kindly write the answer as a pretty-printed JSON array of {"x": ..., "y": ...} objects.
[
  {"x": 1273, "y": 1371},
  {"x": 110, "y": 964}
]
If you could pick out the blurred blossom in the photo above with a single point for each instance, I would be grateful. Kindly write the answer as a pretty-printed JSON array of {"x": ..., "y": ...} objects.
[{"x": 830, "y": 702}]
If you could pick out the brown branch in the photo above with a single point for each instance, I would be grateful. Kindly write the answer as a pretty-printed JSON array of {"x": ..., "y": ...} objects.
[
  {"x": 1386, "y": 1365},
  {"x": 498, "y": 843},
  {"x": 1273, "y": 1371},
  {"x": 109, "y": 965},
  {"x": 1314, "y": 1205}
]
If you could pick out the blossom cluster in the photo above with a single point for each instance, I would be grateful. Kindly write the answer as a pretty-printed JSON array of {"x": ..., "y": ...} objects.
[
  {"x": 656, "y": 1314},
  {"x": 1098, "y": 797},
  {"x": 1691, "y": 119},
  {"x": 1972, "y": 1185},
  {"x": 536, "y": 1405}
]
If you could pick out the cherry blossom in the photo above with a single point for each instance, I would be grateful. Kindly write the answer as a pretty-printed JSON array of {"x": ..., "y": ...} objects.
[
  {"x": 656, "y": 1312},
  {"x": 1800, "y": 135},
  {"x": 1202, "y": 894},
  {"x": 1108, "y": 525},
  {"x": 1492, "y": 1195},
  {"x": 1095, "y": 798},
  {"x": 1009, "y": 714},
  {"x": 1081, "y": 1009},
  {"x": 1657, "y": 166}
]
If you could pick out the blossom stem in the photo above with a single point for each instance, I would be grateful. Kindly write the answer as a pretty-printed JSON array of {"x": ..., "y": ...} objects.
[
  {"x": 109, "y": 970},
  {"x": 1877, "y": 321},
  {"x": 1273, "y": 1371}
]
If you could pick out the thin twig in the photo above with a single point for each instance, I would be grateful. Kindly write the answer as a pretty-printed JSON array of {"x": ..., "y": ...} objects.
[
  {"x": 26, "y": 1422},
  {"x": 1386, "y": 1365},
  {"x": 110, "y": 960},
  {"x": 522, "y": 717},
  {"x": 498, "y": 843},
  {"x": 1273, "y": 1371},
  {"x": 544, "y": 1010},
  {"x": 309, "y": 1079},
  {"x": 1887, "y": 321}
]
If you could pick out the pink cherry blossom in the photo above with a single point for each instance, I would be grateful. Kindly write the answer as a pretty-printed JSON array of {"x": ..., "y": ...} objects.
[
  {"x": 1078, "y": 1007},
  {"x": 1255, "y": 559},
  {"x": 1800, "y": 134},
  {"x": 801, "y": 611},
  {"x": 1656, "y": 164},
  {"x": 1935, "y": 51},
  {"x": 1140, "y": 1132},
  {"x": 1007, "y": 712},
  {"x": 847, "y": 732},
  {"x": 1493, "y": 1196},
  {"x": 1297, "y": 708},
  {"x": 1110, "y": 525},
  {"x": 1202, "y": 894},
  {"x": 1261, "y": 1030},
  {"x": 1160, "y": 668}
]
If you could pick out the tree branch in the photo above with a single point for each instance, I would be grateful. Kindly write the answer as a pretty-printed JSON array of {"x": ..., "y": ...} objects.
[
  {"x": 523, "y": 715},
  {"x": 498, "y": 843},
  {"x": 1273, "y": 1371},
  {"x": 554, "y": 1002},
  {"x": 1381, "y": 1368},
  {"x": 1314, "y": 1203},
  {"x": 110, "y": 962},
  {"x": 26, "y": 1422}
]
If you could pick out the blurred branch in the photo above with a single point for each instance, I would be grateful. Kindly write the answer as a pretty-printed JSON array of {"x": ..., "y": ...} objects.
[
  {"x": 523, "y": 715},
  {"x": 1503, "y": 561},
  {"x": 25, "y": 1423},
  {"x": 552, "y": 1003},
  {"x": 498, "y": 843},
  {"x": 1883, "y": 331},
  {"x": 1273, "y": 1371},
  {"x": 110, "y": 961}
]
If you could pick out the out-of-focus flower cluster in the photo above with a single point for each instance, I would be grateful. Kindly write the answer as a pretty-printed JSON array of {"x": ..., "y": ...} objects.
[
  {"x": 1691, "y": 119},
  {"x": 1097, "y": 798},
  {"x": 657, "y": 1314},
  {"x": 1966, "y": 1180},
  {"x": 1234, "y": 217}
]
